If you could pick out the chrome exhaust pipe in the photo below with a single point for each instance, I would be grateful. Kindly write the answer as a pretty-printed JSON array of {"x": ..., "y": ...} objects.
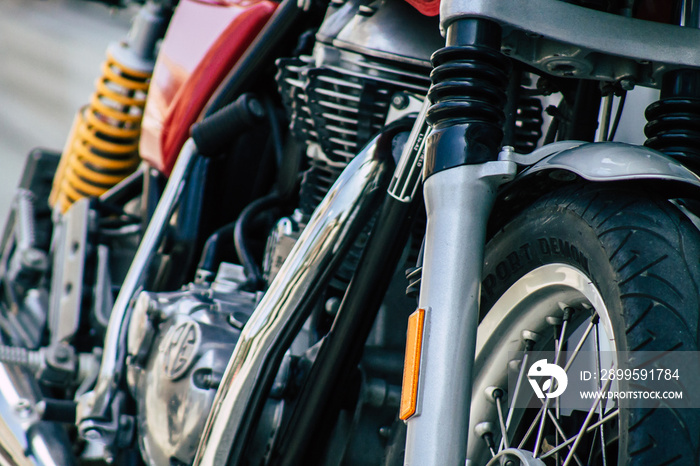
[{"x": 332, "y": 229}]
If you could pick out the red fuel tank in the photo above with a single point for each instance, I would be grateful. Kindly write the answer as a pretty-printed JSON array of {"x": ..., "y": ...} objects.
[{"x": 204, "y": 41}]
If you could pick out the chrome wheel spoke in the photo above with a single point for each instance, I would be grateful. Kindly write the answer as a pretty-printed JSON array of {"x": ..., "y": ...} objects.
[
  {"x": 560, "y": 431},
  {"x": 601, "y": 407},
  {"x": 531, "y": 429},
  {"x": 540, "y": 431},
  {"x": 586, "y": 422},
  {"x": 559, "y": 343},
  {"x": 502, "y": 422},
  {"x": 516, "y": 394},
  {"x": 581, "y": 341},
  {"x": 590, "y": 429},
  {"x": 551, "y": 307}
]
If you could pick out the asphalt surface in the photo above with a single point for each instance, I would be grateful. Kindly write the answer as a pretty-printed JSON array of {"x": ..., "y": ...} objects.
[{"x": 50, "y": 56}]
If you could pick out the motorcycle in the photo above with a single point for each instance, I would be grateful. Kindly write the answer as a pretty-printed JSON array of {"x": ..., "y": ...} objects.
[{"x": 222, "y": 265}]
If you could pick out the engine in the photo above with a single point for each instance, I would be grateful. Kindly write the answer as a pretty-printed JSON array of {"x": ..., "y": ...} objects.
[
  {"x": 356, "y": 81},
  {"x": 353, "y": 83}
]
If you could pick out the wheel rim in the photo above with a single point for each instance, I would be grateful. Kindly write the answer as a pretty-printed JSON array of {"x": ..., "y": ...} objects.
[{"x": 528, "y": 309}]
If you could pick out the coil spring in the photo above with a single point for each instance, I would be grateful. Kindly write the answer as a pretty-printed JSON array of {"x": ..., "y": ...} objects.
[
  {"x": 102, "y": 148},
  {"x": 528, "y": 124},
  {"x": 469, "y": 84},
  {"x": 672, "y": 128}
]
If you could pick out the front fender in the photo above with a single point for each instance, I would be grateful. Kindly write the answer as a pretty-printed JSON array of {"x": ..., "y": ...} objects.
[{"x": 607, "y": 161}]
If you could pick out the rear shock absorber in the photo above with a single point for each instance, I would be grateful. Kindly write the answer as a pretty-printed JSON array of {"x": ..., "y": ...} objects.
[
  {"x": 674, "y": 121},
  {"x": 102, "y": 148},
  {"x": 528, "y": 124}
]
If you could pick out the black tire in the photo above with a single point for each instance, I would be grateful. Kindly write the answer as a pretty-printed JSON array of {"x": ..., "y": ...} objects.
[{"x": 643, "y": 254}]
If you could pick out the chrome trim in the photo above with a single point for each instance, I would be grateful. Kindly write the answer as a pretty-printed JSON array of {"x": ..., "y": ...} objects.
[
  {"x": 385, "y": 30},
  {"x": 331, "y": 229},
  {"x": 613, "y": 161},
  {"x": 568, "y": 40},
  {"x": 409, "y": 171},
  {"x": 96, "y": 403}
]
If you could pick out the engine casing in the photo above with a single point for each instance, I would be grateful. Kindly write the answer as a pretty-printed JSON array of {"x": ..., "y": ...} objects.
[{"x": 179, "y": 344}]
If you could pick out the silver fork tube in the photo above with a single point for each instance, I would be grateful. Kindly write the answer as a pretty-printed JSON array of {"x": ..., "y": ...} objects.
[
  {"x": 458, "y": 203},
  {"x": 96, "y": 403},
  {"x": 332, "y": 228}
]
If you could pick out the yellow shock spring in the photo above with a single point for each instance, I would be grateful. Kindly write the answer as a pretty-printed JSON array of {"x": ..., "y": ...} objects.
[{"x": 102, "y": 148}]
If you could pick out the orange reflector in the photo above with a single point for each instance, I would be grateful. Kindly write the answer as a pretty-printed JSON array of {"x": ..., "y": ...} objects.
[{"x": 414, "y": 341}]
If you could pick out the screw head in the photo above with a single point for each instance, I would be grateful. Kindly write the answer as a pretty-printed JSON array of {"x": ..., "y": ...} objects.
[
  {"x": 62, "y": 354},
  {"x": 23, "y": 407},
  {"x": 399, "y": 101},
  {"x": 35, "y": 259}
]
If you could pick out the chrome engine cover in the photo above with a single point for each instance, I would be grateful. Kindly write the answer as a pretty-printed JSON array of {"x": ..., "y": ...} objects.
[{"x": 179, "y": 344}]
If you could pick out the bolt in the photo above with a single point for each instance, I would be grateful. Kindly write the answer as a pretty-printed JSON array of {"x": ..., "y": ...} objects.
[
  {"x": 23, "y": 407},
  {"x": 332, "y": 306},
  {"x": 62, "y": 354},
  {"x": 33, "y": 258},
  {"x": 399, "y": 101},
  {"x": 385, "y": 432},
  {"x": 92, "y": 435},
  {"x": 506, "y": 153},
  {"x": 627, "y": 84},
  {"x": 509, "y": 463}
]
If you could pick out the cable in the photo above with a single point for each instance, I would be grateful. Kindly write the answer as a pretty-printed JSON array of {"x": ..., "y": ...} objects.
[
  {"x": 252, "y": 270},
  {"x": 618, "y": 115}
]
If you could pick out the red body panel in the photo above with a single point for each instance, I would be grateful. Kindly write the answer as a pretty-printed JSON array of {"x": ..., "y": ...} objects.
[
  {"x": 204, "y": 41},
  {"x": 426, "y": 7}
]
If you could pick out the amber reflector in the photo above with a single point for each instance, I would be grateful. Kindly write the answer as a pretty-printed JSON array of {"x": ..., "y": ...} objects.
[{"x": 414, "y": 341}]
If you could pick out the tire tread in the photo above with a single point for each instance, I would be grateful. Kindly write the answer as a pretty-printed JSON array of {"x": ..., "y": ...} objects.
[{"x": 653, "y": 251}]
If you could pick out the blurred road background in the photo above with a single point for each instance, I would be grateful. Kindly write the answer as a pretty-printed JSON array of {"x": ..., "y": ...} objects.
[{"x": 50, "y": 56}]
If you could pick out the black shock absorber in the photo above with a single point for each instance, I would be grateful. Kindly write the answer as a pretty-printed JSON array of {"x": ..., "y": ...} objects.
[
  {"x": 528, "y": 124},
  {"x": 674, "y": 121},
  {"x": 468, "y": 95}
]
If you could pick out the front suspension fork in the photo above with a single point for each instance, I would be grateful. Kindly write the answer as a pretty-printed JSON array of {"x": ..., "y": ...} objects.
[{"x": 462, "y": 173}]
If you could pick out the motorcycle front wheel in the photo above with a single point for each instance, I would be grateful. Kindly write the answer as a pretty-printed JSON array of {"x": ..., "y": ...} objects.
[{"x": 594, "y": 267}]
